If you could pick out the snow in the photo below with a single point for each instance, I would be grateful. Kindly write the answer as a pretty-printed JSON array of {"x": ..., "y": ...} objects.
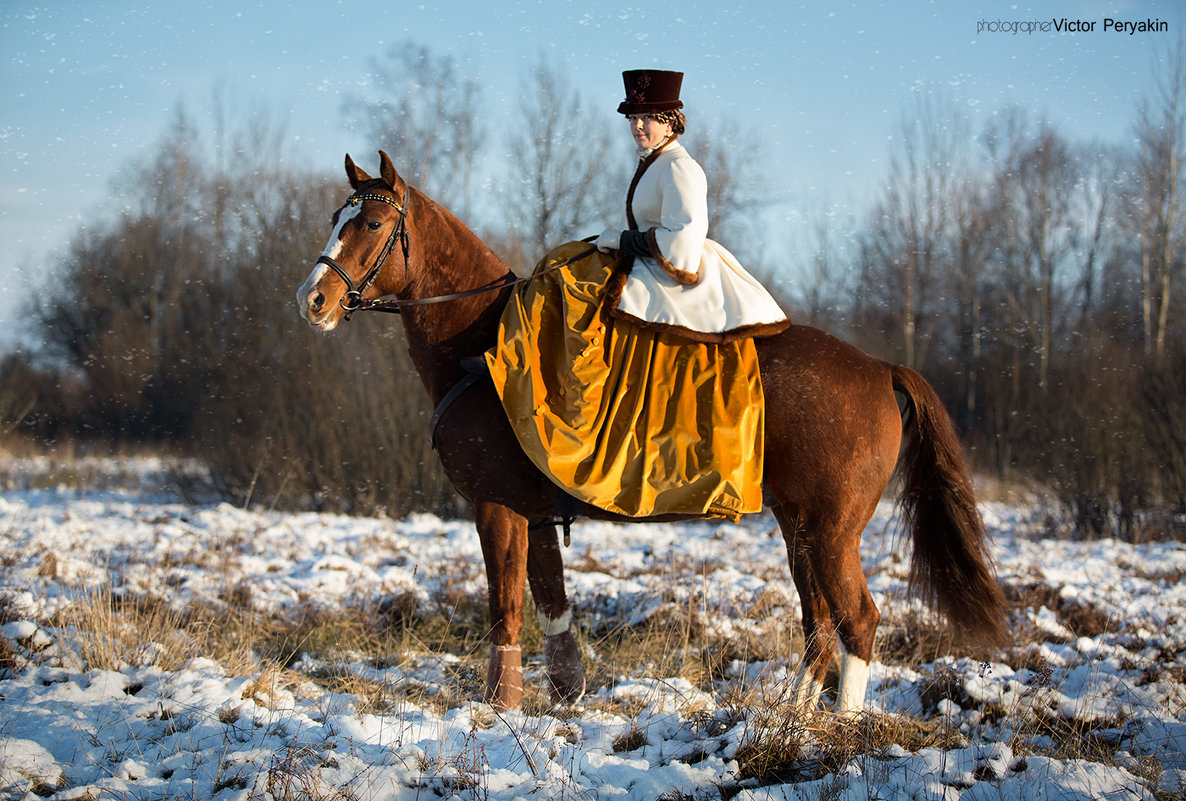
[{"x": 199, "y": 730}]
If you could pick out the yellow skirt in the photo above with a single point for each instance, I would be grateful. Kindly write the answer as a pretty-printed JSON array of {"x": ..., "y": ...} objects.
[{"x": 634, "y": 421}]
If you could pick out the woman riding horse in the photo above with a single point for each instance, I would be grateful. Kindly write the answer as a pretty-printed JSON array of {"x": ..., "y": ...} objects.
[{"x": 668, "y": 314}]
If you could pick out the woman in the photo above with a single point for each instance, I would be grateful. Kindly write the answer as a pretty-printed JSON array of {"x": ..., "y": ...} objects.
[
  {"x": 680, "y": 279},
  {"x": 628, "y": 371}
]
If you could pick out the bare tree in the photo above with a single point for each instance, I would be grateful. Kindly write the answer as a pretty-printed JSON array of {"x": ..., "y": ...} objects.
[
  {"x": 1093, "y": 206},
  {"x": 1038, "y": 191},
  {"x": 973, "y": 228},
  {"x": 733, "y": 162},
  {"x": 564, "y": 181},
  {"x": 911, "y": 231},
  {"x": 1161, "y": 143},
  {"x": 420, "y": 110},
  {"x": 1045, "y": 179},
  {"x": 820, "y": 261}
]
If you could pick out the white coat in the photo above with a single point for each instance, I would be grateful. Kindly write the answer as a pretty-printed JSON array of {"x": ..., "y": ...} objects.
[{"x": 690, "y": 284}]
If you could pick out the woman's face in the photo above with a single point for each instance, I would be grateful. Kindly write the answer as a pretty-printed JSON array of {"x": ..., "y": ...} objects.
[{"x": 647, "y": 131}]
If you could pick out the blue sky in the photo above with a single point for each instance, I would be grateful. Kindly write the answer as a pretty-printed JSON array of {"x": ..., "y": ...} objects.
[{"x": 87, "y": 86}]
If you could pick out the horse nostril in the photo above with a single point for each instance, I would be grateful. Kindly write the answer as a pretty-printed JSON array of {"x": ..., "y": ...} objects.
[{"x": 316, "y": 302}]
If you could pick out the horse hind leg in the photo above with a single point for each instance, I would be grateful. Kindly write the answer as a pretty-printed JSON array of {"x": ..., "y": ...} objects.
[
  {"x": 855, "y": 616},
  {"x": 545, "y": 575},
  {"x": 818, "y": 634},
  {"x": 838, "y": 610}
]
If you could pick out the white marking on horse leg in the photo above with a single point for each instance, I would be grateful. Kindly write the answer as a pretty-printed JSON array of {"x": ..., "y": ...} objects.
[
  {"x": 806, "y": 690},
  {"x": 854, "y": 679},
  {"x": 554, "y": 626}
]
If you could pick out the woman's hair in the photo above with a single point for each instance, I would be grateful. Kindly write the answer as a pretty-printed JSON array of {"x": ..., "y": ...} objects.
[{"x": 675, "y": 118}]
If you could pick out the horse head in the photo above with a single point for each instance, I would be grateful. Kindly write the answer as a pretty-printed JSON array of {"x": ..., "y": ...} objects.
[{"x": 360, "y": 261}]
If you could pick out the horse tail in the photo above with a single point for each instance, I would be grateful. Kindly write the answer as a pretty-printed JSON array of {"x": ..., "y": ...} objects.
[{"x": 951, "y": 568}]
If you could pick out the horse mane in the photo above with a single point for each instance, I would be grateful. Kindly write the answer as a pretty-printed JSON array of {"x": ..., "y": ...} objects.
[{"x": 448, "y": 257}]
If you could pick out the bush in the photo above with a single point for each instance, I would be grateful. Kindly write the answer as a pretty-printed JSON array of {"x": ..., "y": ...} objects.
[{"x": 179, "y": 320}]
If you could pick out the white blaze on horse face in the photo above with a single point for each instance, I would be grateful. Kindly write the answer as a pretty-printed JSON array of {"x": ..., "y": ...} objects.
[{"x": 333, "y": 249}]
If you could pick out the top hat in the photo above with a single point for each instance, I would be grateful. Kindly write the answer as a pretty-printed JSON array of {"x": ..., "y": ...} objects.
[{"x": 650, "y": 91}]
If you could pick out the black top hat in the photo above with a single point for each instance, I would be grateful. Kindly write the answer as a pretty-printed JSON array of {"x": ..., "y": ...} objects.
[{"x": 649, "y": 91}]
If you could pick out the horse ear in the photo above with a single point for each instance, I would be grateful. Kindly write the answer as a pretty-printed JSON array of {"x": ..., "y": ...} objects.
[
  {"x": 387, "y": 171},
  {"x": 355, "y": 173}
]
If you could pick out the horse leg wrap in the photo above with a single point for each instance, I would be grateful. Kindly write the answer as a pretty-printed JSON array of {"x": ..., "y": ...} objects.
[
  {"x": 566, "y": 674},
  {"x": 504, "y": 678}
]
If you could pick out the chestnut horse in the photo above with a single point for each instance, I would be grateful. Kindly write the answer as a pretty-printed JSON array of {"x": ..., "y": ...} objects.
[{"x": 834, "y": 436}]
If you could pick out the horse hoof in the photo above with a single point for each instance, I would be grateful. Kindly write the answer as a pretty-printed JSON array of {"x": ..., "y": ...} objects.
[
  {"x": 566, "y": 674},
  {"x": 504, "y": 677}
]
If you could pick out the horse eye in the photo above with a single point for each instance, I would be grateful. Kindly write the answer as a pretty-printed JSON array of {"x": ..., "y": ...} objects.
[{"x": 374, "y": 225}]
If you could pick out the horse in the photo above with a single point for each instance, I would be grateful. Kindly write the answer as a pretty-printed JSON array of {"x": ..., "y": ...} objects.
[{"x": 835, "y": 434}]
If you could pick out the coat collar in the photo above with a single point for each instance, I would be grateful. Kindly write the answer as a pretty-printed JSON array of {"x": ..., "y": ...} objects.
[{"x": 665, "y": 145}]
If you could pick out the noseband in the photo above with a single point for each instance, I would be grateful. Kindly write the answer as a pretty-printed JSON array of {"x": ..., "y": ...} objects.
[{"x": 352, "y": 301}]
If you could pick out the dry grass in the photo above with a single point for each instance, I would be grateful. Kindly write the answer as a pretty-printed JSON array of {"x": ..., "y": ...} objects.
[
  {"x": 9, "y": 663},
  {"x": 295, "y": 775},
  {"x": 1082, "y": 619},
  {"x": 108, "y": 632}
]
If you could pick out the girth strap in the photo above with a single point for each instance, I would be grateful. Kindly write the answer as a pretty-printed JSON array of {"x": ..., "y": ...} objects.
[
  {"x": 467, "y": 381},
  {"x": 475, "y": 371}
]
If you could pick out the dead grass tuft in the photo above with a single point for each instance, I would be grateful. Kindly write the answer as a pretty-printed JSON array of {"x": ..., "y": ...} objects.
[
  {"x": 845, "y": 739},
  {"x": 373, "y": 696},
  {"x": 630, "y": 741},
  {"x": 296, "y": 775},
  {"x": 1082, "y": 619},
  {"x": 1064, "y": 738},
  {"x": 48, "y": 568},
  {"x": 108, "y": 632},
  {"x": 9, "y": 664},
  {"x": 772, "y": 747},
  {"x": 785, "y": 744},
  {"x": 8, "y": 613},
  {"x": 912, "y": 638}
]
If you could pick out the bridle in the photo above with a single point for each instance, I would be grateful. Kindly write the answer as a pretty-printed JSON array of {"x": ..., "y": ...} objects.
[{"x": 352, "y": 301}]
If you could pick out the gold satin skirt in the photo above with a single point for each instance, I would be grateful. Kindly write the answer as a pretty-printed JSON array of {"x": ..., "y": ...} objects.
[{"x": 634, "y": 421}]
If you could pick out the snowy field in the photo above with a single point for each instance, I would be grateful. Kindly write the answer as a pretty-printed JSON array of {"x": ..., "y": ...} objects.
[{"x": 1089, "y": 703}]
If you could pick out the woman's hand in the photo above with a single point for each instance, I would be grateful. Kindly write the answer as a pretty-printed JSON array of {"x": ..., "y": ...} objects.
[{"x": 610, "y": 239}]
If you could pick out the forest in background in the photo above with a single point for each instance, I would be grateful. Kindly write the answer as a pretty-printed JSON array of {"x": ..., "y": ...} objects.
[{"x": 1037, "y": 280}]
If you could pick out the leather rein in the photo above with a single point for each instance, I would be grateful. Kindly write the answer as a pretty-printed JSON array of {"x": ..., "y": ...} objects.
[{"x": 354, "y": 301}]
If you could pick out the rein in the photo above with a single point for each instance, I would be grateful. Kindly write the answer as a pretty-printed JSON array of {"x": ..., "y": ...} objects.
[
  {"x": 353, "y": 300},
  {"x": 394, "y": 305}
]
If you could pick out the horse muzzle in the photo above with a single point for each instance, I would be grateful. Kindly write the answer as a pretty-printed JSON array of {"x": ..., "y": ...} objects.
[{"x": 314, "y": 304}]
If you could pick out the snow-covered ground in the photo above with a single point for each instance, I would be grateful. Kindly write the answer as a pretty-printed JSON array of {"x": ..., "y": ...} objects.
[{"x": 200, "y": 731}]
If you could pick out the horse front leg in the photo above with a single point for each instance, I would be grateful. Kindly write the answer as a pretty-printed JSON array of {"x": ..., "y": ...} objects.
[
  {"x": 503, "y": 534},
  {"x": 545, "y": 575}
]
